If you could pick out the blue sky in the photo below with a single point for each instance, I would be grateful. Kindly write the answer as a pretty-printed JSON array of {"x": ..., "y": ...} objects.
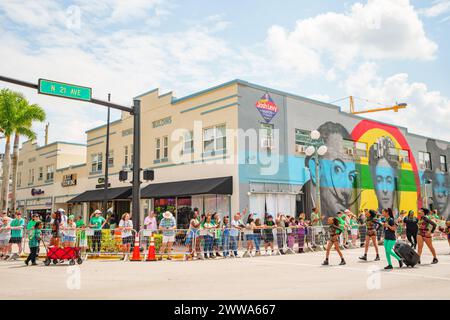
[{"x": 380, "y": 50}]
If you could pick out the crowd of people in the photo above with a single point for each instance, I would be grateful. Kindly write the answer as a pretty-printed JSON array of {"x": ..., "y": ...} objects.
[{"x": 211, "y": 235}]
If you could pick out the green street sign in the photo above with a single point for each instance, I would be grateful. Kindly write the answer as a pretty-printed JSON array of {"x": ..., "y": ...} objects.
[{"x": 65, "y": 90}]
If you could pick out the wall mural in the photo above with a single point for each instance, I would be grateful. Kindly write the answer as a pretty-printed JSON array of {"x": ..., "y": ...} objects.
[
  {"x": 377, "y": 178},
  {"x": 440, "y": 181}
]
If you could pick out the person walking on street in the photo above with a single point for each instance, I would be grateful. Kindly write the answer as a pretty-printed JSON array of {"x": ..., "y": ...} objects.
[
  {"x": 371, "y": 234},
  {"x": 335, "y": 231},
  {"x": 412, "y": 228},
  {"x": 167, "y": 226},
  {"x": 33, "y": 242},
  {"x": 425, "y": 233},
  {"x": 390, "y": 238}
]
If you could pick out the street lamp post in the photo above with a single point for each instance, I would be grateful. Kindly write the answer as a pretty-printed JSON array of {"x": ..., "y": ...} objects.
[{"x": 316, "y": 147}]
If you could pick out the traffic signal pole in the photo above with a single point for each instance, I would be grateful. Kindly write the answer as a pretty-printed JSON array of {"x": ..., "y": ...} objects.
[
  {"x": 136, "y": 198},
  {"x": 135, "y": 111}
]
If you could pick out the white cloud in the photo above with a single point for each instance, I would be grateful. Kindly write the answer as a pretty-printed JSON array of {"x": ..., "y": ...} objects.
[
  {"x": 437, "y": 9},
  {"x": 380, "y": 29},
  {"x": 428, "y": 111}
]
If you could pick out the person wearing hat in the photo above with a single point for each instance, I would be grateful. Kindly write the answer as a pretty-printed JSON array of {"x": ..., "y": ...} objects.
[
  {"x": 96, "y": 223},
  {"x": 167, "y": 226},
  {"x": 69, "y": 232}
]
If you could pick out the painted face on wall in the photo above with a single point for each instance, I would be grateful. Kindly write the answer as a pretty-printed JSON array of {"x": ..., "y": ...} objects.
[
  {"x": 384, "y": 183},
  {"x": 440, "y": 191},
  {"x": 337, "y": 177}
]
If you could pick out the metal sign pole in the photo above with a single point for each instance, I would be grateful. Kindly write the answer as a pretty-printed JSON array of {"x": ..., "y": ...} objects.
[{"x": 136, "y": 198}]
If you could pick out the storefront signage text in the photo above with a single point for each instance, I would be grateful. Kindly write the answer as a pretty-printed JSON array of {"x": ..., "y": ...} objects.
[
  {"x": 162, "y": 122},
  {"x": 36, "y": 192}
]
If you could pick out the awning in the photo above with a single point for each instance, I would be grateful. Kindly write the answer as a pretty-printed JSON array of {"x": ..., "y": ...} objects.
[
  {"x": 121, "y": 193},
  {"x": 223, "y": 185}
]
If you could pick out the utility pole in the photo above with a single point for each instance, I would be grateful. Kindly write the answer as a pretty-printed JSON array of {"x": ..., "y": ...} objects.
[
  {"x": 105, "y": 195},
  {"x": 46, "y": 133}
]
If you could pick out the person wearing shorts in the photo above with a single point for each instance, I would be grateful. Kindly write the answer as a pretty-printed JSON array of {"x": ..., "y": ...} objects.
[
  {"x": 371, "y": 234},
  {"x": 268, "y": 234},
  {"x": 126, "y": 227},
  {"x": 335, "y": 229},
  {"x": 354, "y": 227},
  {"x": 17, "y": 225},
  {"x": 69, "y": 230},
  {"x": 425, "y": 233},
  {"x": 167, "y": 226},
  {"x": 5, "y": 236}
]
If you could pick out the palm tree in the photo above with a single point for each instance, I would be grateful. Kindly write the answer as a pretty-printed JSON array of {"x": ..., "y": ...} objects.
[{"x": 16, "y": 117}]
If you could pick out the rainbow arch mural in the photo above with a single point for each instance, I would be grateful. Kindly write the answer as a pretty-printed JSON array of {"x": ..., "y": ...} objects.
[{"x": 376, "y": 170}]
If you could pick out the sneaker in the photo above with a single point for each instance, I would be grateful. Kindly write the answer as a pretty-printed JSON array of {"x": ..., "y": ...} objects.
[
  {"x": 418, "y": 262},
  {"x": 389, "y": 267},
  {"x": 400, "y": 263},
  {"x": 343, "y": 263},
  {"x": 325, "y": 263},
  {"x": 169, "y": 258},
  {"x": 435, "y": 260},
  {"x": 218, "y": 254},
  {"x": 26, "y": 262},
  {"x": 377, "y": 258},
  {"x": 364, "y": 257}
]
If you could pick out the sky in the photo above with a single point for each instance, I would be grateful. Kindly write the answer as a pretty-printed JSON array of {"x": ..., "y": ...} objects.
[{"x": 381, "y": 51}]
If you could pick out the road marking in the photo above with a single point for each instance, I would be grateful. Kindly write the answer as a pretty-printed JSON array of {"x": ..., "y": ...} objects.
[{"x": 392, "y": 272}]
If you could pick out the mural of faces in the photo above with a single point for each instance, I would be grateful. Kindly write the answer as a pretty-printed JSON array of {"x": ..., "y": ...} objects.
[
  {"x": 384, "y": 172},
  {"x": 439, "y": 178},
  {"x": 337, "y": 173}
]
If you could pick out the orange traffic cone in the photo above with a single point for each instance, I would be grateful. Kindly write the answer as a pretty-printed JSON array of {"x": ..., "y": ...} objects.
[
  {"x": 151, "y": 250},
  {"x": 136, "y": 252}
]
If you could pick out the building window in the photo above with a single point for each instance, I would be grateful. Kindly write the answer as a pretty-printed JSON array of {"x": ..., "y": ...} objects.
[
  {"x": 214, "y": 139},
  {"x": 188, "y": 142},
  {"x": 425, "y": 160},
  {"x": 443, "y": 163},
  {"x": 302, "y": 136},
  {"x": 125, "y": 151},
  {"x": 361, "y": 149},
  {"x": 41, "y": 173},
  {"x": 50, "y": 172},
  {"x": 349, "y": 147},
  {"x": 19, "y": 179},
  {"x": 158, "y": 149},
  {"x": 97, "y": 162},
  {"x": 111, "y": 158},
  {"x": 404, "y": 156},
  {"x": 31, "y": 177},
  {"x": 266, "y": 135},
  {"x": 166, "y": 147}
]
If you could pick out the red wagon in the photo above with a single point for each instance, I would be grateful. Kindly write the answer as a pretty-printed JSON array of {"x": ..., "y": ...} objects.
[{"x": 57, "y": 254}]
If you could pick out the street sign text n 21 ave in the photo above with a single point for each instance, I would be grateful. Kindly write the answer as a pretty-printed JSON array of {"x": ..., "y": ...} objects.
[{"x": 64, "y": 90}]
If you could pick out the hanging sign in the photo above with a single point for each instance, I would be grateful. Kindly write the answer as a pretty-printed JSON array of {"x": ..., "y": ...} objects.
[{"x": 266, "y": 107}]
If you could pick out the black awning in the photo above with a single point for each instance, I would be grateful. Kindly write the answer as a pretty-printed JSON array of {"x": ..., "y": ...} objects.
[
  {"x": 121, "y": 193},
  {"x": 222, "y": 185}
]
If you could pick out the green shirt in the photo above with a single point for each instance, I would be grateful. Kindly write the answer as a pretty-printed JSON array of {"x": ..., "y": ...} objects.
[
  {"x": 97, "y": 222},
  {"x": 315, "y": 216},
  {"x": 81, "y": 233},
  {"x": 341, "y": 220},
  {"x": 354, "y": 224},
  {"x": 31, "y": 224},
  {"x": 34, "y": 238},
  {"x": 18, "y": 233}
]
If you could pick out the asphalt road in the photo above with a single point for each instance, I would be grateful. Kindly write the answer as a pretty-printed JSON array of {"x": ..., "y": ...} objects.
[{"x": 298, "y": 276}]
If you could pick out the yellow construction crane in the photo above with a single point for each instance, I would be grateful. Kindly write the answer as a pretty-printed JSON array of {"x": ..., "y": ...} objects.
[{"x": 396, "y": 107}]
